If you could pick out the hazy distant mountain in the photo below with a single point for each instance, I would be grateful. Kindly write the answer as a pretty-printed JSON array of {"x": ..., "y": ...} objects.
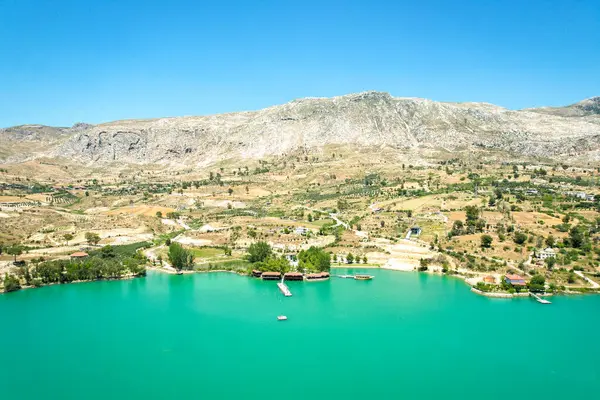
[{"x": 366, "y": 119}]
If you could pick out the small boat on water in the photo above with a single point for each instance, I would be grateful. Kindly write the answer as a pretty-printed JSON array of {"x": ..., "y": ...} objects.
[
  {"x": 281, "y": 318},
  {"x": 363, "y": 277}
]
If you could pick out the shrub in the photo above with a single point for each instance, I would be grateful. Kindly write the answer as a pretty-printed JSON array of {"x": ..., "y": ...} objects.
[{"x": 11, "y": 283}]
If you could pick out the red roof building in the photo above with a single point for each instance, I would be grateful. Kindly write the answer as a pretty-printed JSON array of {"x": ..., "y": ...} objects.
[{"x": 515, "y": 280}]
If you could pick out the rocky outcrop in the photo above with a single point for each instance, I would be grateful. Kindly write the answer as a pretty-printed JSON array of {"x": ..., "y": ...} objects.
[{"x": 364, "y": 119}]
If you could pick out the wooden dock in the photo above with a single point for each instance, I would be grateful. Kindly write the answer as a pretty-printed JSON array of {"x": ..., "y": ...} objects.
[
  {"x": 284, "y": 289},
  {"x": 539, "y": 299}
]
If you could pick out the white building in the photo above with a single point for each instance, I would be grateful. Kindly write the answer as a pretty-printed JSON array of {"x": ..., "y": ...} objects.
[
  {"x": 293, "y": 260},
  {"x": 546, "y": 253},
  {"x": 301, "y": 230}
]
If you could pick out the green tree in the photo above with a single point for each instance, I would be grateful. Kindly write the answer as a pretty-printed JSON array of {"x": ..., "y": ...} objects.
[
  {"x": 92, "y": 238},
  {"x": 350, "y": 258},
  {"x": 576, "y": 237},
  {"x": 486, "y": 241},
  {"x": 520, "y": 238},
  {"x": 364, "y": 259},
  {"x": 159, "y": 214},
  {"x": 180, "y": 258},
  {"x": 279, "y": 264},
  {"x": 68, "y": 237},
  {"x": 230, "y": 191},
  {"x": 15, "y": 250},
  {"x": 550, "y": 241},
  {"x": 472, "y": 213},
  {"x": 457, "y": 228},
  {"x": 259, "y": 251},
  {"x": 550, "y": 262},
  {"x": 314, "y": 259},
  {"x": 227, "y": 251},
  {"x": 537, "y": 283}
]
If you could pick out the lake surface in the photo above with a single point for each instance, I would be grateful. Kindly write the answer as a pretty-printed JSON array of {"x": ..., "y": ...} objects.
[{"x": 215, "y": 336}]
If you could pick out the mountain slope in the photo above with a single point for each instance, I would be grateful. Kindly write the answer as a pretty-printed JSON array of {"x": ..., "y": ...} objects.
[
  {"x": 364, "y": 119},
  {"x": 587, "y": 107},
  {"x": 26, "y": 141}
]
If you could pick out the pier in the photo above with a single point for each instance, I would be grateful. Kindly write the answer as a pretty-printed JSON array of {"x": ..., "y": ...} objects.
[
  {"x": 284, "y": 289},
  {"x": 539, "y": 299}
]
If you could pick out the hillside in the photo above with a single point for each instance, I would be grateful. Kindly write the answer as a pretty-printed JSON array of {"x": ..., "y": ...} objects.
[
  {"x": 364, "y": 119},
  {"x": 585, "y": 108}
]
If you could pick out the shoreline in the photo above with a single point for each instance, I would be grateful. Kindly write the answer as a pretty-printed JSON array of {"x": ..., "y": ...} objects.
[
  {"x": 357, "y": 266},
  {"x": 498, "y": 295},
  {"x": 464, "y": 278},
  {"x": 122, "y": 278}
]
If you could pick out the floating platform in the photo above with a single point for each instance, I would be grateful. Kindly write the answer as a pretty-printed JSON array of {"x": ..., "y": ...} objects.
[
  {"x": 539, "y": 299},
  {"x": 284, "y": 289}
]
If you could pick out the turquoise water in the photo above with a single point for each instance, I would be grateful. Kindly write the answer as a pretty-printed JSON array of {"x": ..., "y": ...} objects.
[{"x": 215, "y": 336}]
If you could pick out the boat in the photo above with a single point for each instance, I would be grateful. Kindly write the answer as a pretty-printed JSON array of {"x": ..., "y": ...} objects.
[
  {"x": 363, "y": 277},
  {"x": 281, "y": 317}
]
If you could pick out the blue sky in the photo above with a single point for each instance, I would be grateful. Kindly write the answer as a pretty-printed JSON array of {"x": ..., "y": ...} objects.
[{"x": 63, "y": 62}]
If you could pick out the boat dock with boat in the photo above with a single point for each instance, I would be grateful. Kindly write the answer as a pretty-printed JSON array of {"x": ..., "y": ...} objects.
[{"x": 358, "y": 277}]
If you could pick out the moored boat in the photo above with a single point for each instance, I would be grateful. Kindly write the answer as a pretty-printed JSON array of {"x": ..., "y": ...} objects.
[
  {"x": 281, "y": 318},
  {"x": 363, "y": 277}
]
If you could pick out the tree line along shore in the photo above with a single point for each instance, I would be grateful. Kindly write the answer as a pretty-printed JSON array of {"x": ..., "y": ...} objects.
[{"x": 125, "y": 261}]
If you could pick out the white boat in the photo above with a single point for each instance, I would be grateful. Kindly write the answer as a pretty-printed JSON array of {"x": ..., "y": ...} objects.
[{"x": 281, "y": 317}]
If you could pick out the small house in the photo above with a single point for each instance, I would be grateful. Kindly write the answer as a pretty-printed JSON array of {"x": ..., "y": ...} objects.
[
  {"x": 515, "y": 280},
  {"x": 489, "y": 279},
  {"x": 271, "y": 276},
  {"x": 317, "y": 276},
  {"x": 293, "y": 276},
  {"x": 256, "y": 273},
  {"x": 79, "y": 255}
]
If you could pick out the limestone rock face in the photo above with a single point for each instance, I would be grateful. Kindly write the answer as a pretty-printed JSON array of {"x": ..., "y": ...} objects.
[{"x": 364, "y": 119}]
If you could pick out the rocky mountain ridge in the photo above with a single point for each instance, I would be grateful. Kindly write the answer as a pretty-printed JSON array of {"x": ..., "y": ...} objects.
[
  {"x": 587, "y": 107},
  {"x": 363, "y": 119}
]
